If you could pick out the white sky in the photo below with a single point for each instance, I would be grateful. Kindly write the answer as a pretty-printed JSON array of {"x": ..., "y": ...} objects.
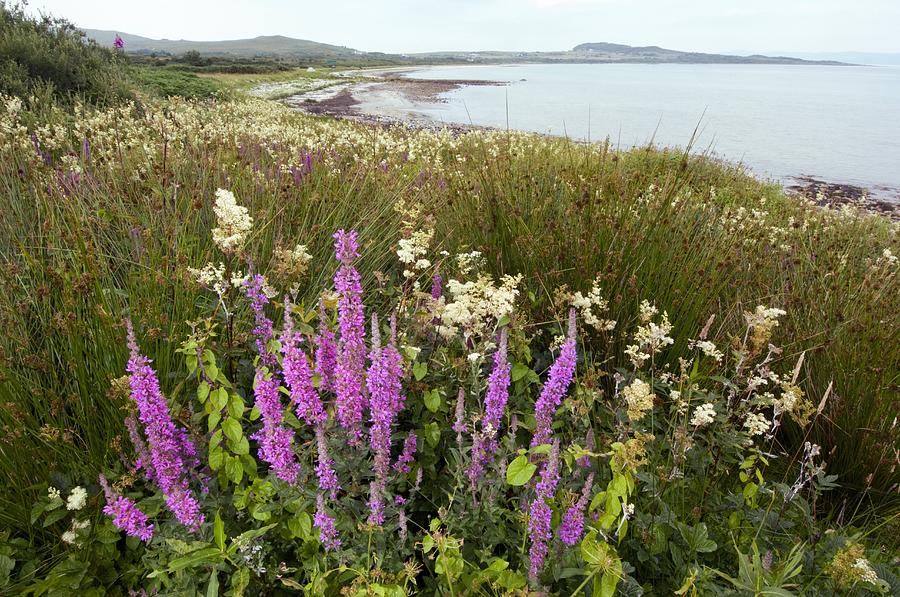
[{"x": 424, "y": 25}]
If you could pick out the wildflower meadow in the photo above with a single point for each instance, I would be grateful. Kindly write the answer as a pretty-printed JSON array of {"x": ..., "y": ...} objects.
[{"x": 252, "y": 352}]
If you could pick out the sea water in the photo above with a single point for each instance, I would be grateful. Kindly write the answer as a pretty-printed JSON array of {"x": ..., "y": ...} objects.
[{"x": 834, "y": 123}]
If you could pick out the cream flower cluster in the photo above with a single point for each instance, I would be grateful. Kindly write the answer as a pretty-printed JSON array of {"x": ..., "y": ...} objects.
[
  {"x": 234, "y": 223},
  {"x": 638, "y": 399},
  {"x": 591, "y": 305},
  {"x": 707, "y": 348},
  {"x": 475, "y": 306},
  {"x": 757, "y": 424},
  {"x": 651, "y": 337},
  {"x": 412, "y": 250},
  {"x": 704, "y": 415},
  {"x": 866, "y": 572}
]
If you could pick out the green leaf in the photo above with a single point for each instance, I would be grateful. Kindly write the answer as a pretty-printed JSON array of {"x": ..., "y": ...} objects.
[
  {"x": 249, "y": 536},
  {"x": 55, "y": 516},
  {"x": 519, "y": 371},
  {"x": 520, "y": 471},
  {"x": 608, "y": 584},
  {"x": 234, "y": 470},
  {"x": 433, "y": 400},
  {"x": 204, "y": 555},
  {"x": 242, "y": 448},
  {"x": 232, "y": 430},
  {"x": 300, "y": 526},
  {"x": 419, "y": 370},
  {"x": 202, "y": 392},
  {"x": 239, "y": 582},
  {"x": 212, "y": 371},
  {"x": 213, "y": 420},
  {"x": 212, "y": 590},
  {"x": 236, "y": 406},
  {"x": 219, "y": 531},
  {"x": 219, "y": 398},
  {"x": 432, "y": 434},
  {"x": 191, "y": 361}
]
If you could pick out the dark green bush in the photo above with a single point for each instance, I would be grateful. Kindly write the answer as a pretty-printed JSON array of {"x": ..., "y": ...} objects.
[{"x": 37, "y": 52}]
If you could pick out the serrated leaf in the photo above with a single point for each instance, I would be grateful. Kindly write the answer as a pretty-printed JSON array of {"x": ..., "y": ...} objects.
[
  {"x": 232, "y": 430},
  {"x": 219, "y": 398},
  {"x": 518, "y": 371},
  {"x": 234, "y": 470},
  {"x": 520, "y": 471},
  {"x": 432, "y": 434},
  {"x": 241, "y": 448},
  {"x": 236, "y": 406},
  {"x": 433, "y": 400}
]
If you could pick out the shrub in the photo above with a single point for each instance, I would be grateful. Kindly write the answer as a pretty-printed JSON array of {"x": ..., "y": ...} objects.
[{"x": 51, "y": 52}]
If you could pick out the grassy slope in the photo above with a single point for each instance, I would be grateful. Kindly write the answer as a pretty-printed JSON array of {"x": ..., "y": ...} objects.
[{"x": 694, "y": 236}]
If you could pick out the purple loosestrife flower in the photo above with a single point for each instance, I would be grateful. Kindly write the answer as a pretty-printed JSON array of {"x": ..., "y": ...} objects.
[
  {"x": 328, "y": 480},
  {"x": 485, "y": 441},
  {"x": 351, "y": 400},
  {"x": 437, "y": 289},
  {"x": 166, "y": 443},
  {"x": 143, "y": 460},
  {"x": 555, "y": 388},
  {"x": 118, "y": 43},
  {"x": 585, "y": 461},
  {"x": 125, "y": 513},
  {"x": 297, "y": 375},
  {"x": 385, "y": 400},
  {"x": 275, "y": 440},
  {"x": 326, "y": 352},
  {"x": 327, "y": 533},
  {"x": 572, "y": 526},
  {"x": 407, "y": 455},
  {"x": 540, "y": 514}
]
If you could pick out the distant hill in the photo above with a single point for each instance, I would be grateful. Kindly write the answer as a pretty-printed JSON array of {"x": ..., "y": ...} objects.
[
  {"x": 265, "y": 45},
  {"x": 621, "y": 53},
  {"x": 279, "y": 46}
]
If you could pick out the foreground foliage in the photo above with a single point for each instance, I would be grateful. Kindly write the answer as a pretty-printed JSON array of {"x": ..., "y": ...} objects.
[{"x": 109, "y": 212}]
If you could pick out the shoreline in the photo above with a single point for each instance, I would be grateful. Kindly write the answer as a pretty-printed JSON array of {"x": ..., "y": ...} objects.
[{"x": 386, "y": 97}]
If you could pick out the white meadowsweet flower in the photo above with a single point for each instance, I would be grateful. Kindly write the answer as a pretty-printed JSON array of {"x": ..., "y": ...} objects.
[
  {"x": 704, "y": 415},
  {"x": 591, "y": 305},
  {"x": 638, "y": 399},
  {"x": 234, "y": 223},
  {"x": 756, "y": 424},
  {"x": 77, "y": 498},
  {"x": 68, "y": 537},
  {"x": 707, "y": 348},
  {"x": 866, "y": 572}
]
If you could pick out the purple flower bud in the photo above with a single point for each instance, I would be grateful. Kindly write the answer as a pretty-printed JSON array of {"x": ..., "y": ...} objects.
[
  {"x": 125, "y": 514},
  {"x": 572, "y": 526},
  {"x": 326, "y": 352},
  {"x": 540, "y": 514},
  {"x": 327, "y": 533},
  {"x": 351, "y": 400},
  {"x": 555, "y": 388},
  {"x": 275, "y": 440},
  {"x": 166, "y": 442}
]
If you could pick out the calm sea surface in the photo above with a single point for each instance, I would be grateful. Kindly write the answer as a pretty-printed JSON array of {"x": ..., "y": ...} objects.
[{"x": 840, "y": 124}]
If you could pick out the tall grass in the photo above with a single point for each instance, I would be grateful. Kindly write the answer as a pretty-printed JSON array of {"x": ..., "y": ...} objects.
[{"x": 79, "y": 256}]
